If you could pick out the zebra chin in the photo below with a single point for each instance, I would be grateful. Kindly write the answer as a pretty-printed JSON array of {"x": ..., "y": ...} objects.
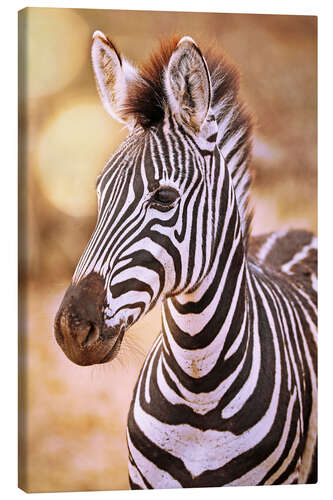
[{"x": 80, "y": 328}]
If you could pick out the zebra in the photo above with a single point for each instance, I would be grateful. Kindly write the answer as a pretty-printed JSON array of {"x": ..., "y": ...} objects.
[{"x": 227, "y": 394}]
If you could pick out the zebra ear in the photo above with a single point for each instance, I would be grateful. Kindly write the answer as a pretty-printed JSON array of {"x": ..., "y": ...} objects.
[
  {"x": 188, "y": 84},
  {"x": 112, "y": 75}
]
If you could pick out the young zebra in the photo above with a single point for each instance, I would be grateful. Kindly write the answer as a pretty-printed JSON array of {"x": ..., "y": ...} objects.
[{"x": 227, "y": 394}]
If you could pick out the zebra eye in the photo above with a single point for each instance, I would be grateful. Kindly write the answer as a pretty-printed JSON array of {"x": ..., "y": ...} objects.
[{"x": 165, "y": 196}]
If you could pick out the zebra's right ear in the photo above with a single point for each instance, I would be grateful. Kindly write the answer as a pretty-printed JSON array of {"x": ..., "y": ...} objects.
[
  {"x": 112, "y": 74},
  {"x": 188, "y": 85}
]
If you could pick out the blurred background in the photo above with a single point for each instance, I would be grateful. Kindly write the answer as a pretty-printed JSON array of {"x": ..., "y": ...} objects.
[{"x": 73, "y": 419}]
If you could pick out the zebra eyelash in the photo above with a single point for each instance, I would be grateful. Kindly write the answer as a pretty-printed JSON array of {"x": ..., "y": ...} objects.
[{"x": 164, "y": 198}]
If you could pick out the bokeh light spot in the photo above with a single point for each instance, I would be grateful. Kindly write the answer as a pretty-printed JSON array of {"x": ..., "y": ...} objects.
[
  {"x": 56, "y": 48},
  {"x": 73, "y": 149}
]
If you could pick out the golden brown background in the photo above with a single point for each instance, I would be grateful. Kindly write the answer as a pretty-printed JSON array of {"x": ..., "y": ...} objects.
[{"x": 73, "y": 419}]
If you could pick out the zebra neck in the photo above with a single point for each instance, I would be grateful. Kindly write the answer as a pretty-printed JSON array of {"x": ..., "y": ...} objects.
[
  {"x": 234, "y": 140},
  {"x": 205, "y": 327},
  {"x": 202, "y": 330}
]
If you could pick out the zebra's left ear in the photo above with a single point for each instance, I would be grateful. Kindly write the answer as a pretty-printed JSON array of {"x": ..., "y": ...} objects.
[
  {"x": 188, "y": 85},
  {"x": 113, "y": 74}
]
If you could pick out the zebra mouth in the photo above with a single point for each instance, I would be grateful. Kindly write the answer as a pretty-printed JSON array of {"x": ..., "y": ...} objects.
[
  {"x": 101, "y": 349},
  {"x": 115, "y": 348}
]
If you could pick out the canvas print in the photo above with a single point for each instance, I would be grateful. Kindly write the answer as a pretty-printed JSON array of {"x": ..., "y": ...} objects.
[{"x": 168, "y": 250}]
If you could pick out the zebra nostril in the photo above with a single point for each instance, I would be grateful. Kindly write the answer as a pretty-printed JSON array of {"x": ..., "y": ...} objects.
[
  {"x": 88, "y": 334},
  {"x": 67, "y": 329}
]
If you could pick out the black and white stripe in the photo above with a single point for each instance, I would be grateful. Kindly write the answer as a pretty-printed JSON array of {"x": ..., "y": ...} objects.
[{"x": 227, "y": 394}]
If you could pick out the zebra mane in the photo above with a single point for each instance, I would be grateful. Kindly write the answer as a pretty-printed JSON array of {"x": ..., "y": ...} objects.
[{"x": 147, "y": 100}]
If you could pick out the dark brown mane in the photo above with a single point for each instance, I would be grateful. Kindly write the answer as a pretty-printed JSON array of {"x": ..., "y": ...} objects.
[
  {"x": 146, "y": 98},
  {"x": 145, "y": 95}
]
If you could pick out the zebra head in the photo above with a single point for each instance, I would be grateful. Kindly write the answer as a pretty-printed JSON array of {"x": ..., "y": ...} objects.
[{"x": 157, "y": 218}]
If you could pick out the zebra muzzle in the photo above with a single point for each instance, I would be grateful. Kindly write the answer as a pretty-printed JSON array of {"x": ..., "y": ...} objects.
[{"x": 80, "y": 328}]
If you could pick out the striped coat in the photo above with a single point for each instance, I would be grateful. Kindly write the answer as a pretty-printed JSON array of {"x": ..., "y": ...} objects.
[
  {"x": 254, "y": 412},
  {"x": 227, "y": 394}
]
